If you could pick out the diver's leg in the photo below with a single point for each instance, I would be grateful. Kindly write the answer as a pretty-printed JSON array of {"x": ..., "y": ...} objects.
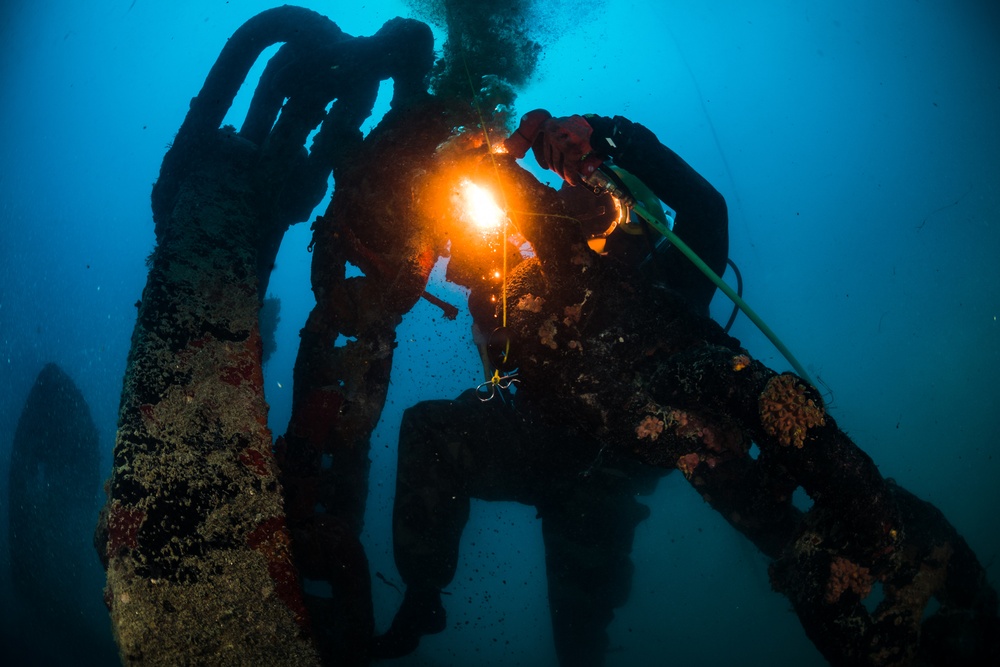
[
  {"x": 449, "y": 452},
  {"x": 588, "y": 535}
]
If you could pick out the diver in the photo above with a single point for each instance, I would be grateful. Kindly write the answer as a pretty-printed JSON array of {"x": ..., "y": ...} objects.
[{"x": 451, "y": 451}]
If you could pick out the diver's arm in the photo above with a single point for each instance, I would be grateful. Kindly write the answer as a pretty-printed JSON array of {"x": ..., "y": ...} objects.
[{"x": 702, "y": 218}]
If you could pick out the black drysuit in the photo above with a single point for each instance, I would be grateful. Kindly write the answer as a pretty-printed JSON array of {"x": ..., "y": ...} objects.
[{"x": 453, "y": 451}]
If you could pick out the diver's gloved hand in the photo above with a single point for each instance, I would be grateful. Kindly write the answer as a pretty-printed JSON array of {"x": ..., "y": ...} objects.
[
  {"x": 566, "y": 149},
  {"x": 527, "y": 133},
  {"x": 559, "y": 144}
]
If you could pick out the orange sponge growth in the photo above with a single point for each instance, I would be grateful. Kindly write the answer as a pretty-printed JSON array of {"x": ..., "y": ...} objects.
[
  {"x": 847, "y": 576},
  {"x": 786, "y": 412}
]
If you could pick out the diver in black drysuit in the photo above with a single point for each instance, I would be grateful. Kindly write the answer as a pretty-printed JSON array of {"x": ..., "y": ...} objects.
[{"x": 453, "y": 451}]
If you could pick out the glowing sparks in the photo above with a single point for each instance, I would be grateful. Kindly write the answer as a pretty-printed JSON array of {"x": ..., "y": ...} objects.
[{"x": 480, "y": 207}]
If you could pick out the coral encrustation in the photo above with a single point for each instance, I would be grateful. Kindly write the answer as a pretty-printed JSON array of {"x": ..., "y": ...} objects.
[
  {"x": 846, "y": 575},
  {"x": 787, "y": 412}
]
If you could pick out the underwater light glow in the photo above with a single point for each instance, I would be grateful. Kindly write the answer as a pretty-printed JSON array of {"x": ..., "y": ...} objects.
[{"x": 480, "y": 207}]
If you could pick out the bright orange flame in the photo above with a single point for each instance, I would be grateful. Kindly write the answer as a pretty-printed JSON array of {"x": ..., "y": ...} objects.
[{"x": 480, "y": 207}]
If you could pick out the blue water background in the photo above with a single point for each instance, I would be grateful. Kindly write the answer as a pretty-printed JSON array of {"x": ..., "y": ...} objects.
[{"x": 858, "y": 146}]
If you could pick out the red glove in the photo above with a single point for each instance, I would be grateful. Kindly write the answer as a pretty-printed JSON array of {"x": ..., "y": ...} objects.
[
  {"x": 526, "y": 133},
  {"x": 559, "y": 144},
  {"x": 566, "y": 149}
]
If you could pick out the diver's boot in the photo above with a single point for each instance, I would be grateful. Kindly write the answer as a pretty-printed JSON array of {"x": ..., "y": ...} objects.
[{"x": 420, "y": 614}]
